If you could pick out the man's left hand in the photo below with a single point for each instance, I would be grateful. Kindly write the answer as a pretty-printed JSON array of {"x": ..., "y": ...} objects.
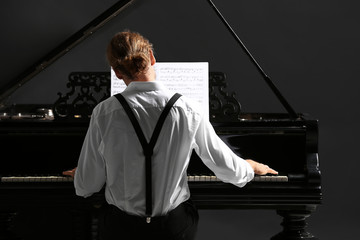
[{"x": 70, "y": 173}]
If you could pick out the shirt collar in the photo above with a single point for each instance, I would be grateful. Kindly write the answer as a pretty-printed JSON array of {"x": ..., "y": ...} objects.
[{"x": 144, "y": 86}]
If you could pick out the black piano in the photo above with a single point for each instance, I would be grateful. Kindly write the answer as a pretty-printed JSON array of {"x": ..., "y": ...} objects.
[{"x": 39, "y": 142}]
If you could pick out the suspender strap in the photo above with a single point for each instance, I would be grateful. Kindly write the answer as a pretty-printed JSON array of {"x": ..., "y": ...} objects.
[{"x": 148, "y": 147}]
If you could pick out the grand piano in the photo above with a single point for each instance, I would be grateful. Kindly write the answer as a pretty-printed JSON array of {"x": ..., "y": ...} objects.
[{"x": 40, "y": 142}]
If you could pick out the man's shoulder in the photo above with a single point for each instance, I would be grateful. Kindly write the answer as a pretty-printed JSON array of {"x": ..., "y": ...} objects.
[
  {"x": 108, "y": 105},
  {"x": 189, "y": 105}
]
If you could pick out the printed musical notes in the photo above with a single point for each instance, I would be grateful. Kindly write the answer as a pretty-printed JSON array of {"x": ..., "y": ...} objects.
[{"x": 190, "y": 79}]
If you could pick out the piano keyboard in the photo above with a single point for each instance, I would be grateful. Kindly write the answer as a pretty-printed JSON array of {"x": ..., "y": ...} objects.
[
  {"x": 191, "y": 178},
  {"x": 37, "y": 179},
  {"x": 257, "y": 178}
]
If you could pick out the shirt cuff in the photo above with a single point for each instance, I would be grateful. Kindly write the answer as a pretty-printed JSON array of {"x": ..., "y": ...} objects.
[
  {"x": 249, "y": 175},
  {"x": 82, "y": 193}
]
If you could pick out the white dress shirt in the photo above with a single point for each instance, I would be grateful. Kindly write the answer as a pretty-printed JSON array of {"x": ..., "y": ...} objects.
[{"x": 112, "y": 154}]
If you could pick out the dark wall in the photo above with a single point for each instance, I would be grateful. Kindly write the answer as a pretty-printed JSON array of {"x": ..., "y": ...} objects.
[{"x": 309, "y": 49}]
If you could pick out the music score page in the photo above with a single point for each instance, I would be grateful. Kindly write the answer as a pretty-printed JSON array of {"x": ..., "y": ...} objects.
[{"x": 190, "y": 79}]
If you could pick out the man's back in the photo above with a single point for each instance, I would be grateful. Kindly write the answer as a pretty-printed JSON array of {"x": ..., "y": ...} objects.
[{"x": 123, "y": 156}]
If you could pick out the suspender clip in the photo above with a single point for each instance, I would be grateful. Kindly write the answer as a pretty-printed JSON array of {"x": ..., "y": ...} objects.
[{"x": 148, "y": 219}]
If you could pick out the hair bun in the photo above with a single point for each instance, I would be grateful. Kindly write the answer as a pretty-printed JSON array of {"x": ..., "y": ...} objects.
[{"x": 129, "y": 53}]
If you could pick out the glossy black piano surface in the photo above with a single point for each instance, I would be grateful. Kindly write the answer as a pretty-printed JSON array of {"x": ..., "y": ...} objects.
[{"x": 39, "y": 145}]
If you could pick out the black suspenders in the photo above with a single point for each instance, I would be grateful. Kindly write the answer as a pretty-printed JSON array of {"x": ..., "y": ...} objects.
[{"x": 148, "y": 147}]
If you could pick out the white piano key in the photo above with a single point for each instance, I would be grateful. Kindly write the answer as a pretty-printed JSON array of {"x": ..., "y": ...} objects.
[
  {"x": 213, "y": 178},
  {"x": 202, "y": 178}
]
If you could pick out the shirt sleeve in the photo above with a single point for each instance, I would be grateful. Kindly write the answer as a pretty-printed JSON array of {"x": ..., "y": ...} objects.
[
  {"x": 90, "y": 173},
  {"x": 219, "y": 158}
]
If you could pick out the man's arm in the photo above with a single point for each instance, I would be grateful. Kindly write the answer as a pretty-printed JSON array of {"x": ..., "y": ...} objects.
[{"x": 222, "y": 160}]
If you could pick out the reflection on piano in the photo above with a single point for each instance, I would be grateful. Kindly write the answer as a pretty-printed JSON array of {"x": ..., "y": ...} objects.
[{"x": 42, "y": 141}]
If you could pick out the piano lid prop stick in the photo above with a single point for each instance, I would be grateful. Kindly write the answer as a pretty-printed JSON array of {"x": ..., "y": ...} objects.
[{"x": 276, "y": 91}]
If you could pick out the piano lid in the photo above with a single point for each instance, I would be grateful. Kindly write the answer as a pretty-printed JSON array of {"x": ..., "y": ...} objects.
[
  {"x": 95, "y": 25},
  {"x": 62, "y": 49}
]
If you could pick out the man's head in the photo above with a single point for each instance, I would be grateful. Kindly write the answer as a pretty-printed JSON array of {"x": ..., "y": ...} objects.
[{"x": 130, "y": 55}]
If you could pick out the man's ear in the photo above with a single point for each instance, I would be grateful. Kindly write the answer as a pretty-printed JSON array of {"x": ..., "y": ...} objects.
[
  {"x": 152, "y": 58},
  {"x": 118, "y": 74}
]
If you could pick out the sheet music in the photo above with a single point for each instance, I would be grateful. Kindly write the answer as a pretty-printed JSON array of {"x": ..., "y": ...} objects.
[{"x": 190, "y": 79}]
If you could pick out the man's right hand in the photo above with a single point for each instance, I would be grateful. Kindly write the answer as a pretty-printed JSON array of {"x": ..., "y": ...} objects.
[{"x": 261, "y": 169}]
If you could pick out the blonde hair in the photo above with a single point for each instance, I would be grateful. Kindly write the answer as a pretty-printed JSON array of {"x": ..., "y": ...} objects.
[{"x": 129, "y": 53}]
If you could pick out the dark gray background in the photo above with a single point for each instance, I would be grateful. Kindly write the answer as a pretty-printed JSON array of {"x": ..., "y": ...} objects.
[{"x": 309, "y": 48}]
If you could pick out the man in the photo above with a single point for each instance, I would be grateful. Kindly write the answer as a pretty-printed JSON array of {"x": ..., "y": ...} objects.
[{"x": 113, "y": 155}]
